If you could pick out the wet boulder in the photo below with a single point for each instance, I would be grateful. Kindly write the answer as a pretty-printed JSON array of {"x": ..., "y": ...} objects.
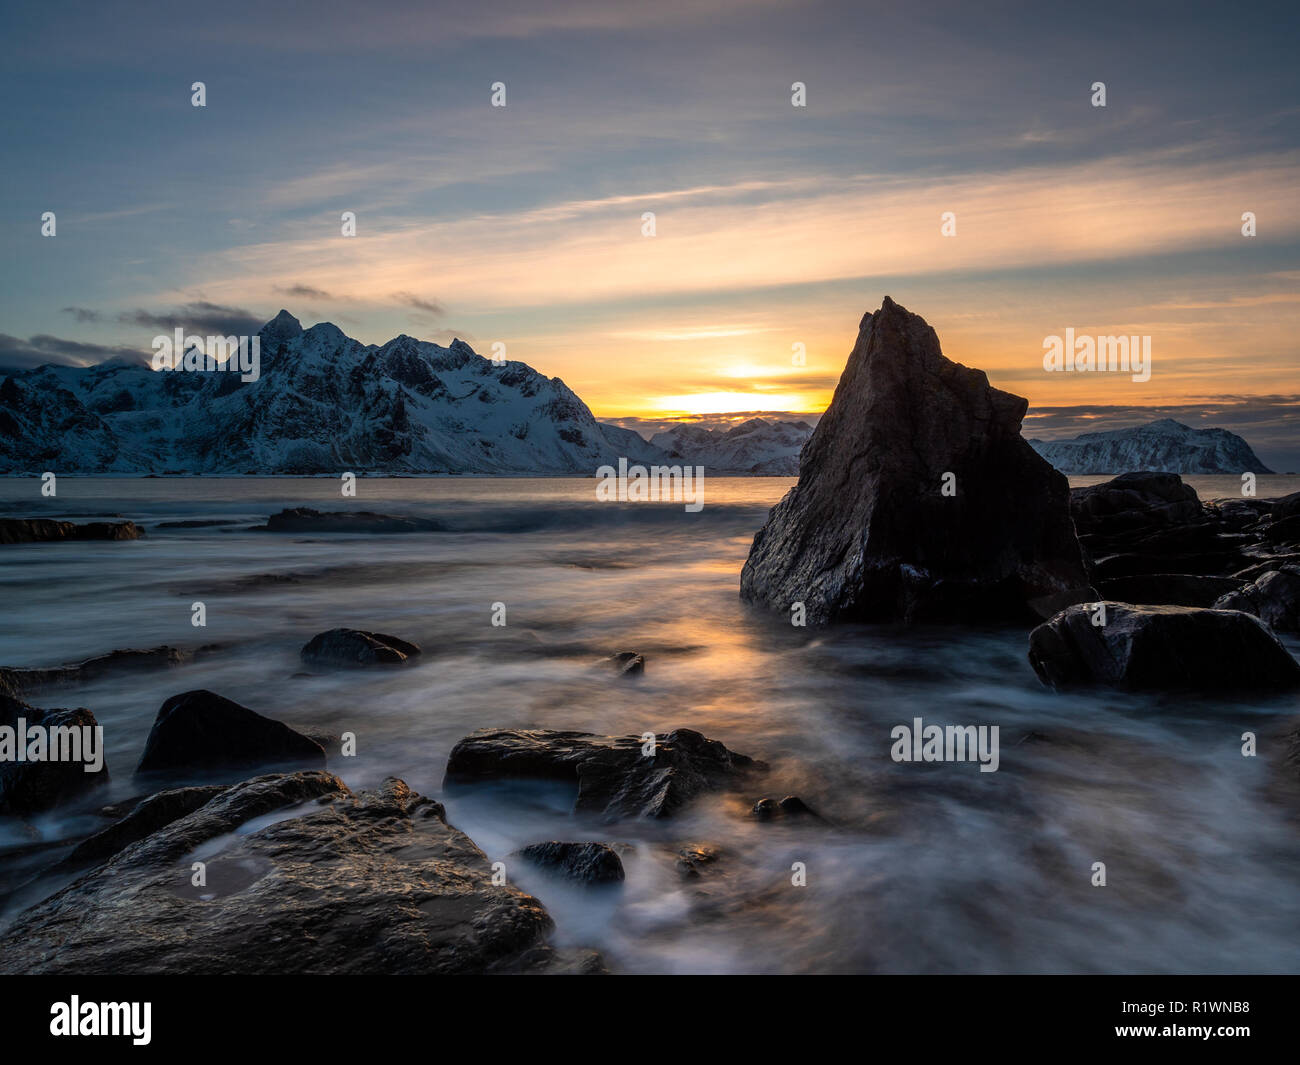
[
  {"x": 587, "y": 863},
  {"x": 1160, "y": 648},
  {"x": 1274, "y": 598},
  {"x": 55, "y": 771},
  {"x": 200, "y": 732},
  {"x": 918, "y": 499},
  {"x": 350, "y": 648},
  {"x": 613, "y": 774},
  {"x": 374, "y": 882},
  {"x": 143, "y": 819}
]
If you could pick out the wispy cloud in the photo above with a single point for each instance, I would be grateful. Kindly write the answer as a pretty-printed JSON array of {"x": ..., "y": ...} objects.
[{"x": 860, "y": 227}]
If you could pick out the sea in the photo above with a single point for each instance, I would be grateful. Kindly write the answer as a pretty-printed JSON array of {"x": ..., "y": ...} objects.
[{"x": 913, "y": 867}]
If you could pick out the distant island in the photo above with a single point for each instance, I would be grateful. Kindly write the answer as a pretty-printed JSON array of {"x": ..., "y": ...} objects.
[{"x": 1163, "y": 446}]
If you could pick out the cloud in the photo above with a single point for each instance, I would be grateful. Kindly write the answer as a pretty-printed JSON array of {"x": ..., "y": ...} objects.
[
  {"x": 17, "y": 355},
  {"x": 833, "y": 229},
  {"x": 83, "y": 314},
  {"x": 307, "y": 292},
  {"x": 420, "y": 304},
  {"x": 199, "y": 315}
]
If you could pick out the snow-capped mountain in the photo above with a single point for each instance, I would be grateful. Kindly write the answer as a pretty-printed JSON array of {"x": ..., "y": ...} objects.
[
  {"x": 323, "y": 402},
  {"x": 758, "y": 446},
  {"x": 1164, "y": 446}
]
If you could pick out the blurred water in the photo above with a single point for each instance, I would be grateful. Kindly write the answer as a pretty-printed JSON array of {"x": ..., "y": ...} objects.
[{"x": 924, "y": 867}]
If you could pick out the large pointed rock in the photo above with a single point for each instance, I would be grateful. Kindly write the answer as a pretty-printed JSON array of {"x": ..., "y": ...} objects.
[{"x": 868, "y": 533}]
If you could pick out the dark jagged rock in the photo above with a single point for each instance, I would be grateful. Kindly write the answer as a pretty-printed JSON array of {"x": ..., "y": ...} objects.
[
  {"x": 1274, "y": 598},
  {"x": 1284, "y": 531},
  {"x": 1162, "y": 648},
  {"x": 1149, "y": 524},
  {"x": 367, "y": 883},
  {"x": 588, "y": 863},
  {"x": 614, "y": 778},
  {"x": 1267, "y": 565},
  {"x": 353, "y": 647},
  {"x": 868, "y": 533},
  {"x": 307, "y": 520},
  {"x": 44, "y": 530},
  {"x": 1169, "y": 589},
  {"x": 202, "y": 732},
  {"x": 1286, "y": 507},
  {"x": 30, "y": 787},
  {"x": 145, "y": 818},
  {"x": 123, "y": 661},
  {"x": 1239, "y": 514}
]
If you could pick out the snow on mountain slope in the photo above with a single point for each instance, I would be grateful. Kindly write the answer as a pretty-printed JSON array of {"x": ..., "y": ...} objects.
[
  {"x": 1164, "y": 446},
  {"x": 323, "y": 403},
  {"x": 758, "y": 446}
]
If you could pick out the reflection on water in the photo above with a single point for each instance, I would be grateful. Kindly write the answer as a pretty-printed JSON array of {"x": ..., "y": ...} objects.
[{"x": 922, "y": 867}]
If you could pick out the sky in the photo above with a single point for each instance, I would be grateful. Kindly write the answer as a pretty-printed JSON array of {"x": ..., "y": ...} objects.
[{"x": 776, "y": 227}]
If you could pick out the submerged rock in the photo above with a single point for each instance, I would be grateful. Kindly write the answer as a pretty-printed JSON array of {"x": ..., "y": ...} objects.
[
  {"x": 307, "y": 520},
  {"x": 123, "y": 661},
  {"x": 627, "y": 663},
  {"x": 202, "y": 732},
  {"x": 613, "y": 777},
  {"x": 1160, "y": 647},
  {"x": 588, "y": 863},
  {"x": 693, "y": 859},
  {"x": 769, "y": 809},
  {"x": 1274, "y": 598},
  {"x": 354, "y": 647},
  {"x": 918, "y": 499},
  {"x": 44, "y": 530},
  {"x": 376, "y": 882}
]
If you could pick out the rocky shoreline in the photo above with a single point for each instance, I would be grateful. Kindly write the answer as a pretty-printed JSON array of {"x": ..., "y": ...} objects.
[
  {"x": 242, "y": 852},
  {"x": 190, "y": 878}
]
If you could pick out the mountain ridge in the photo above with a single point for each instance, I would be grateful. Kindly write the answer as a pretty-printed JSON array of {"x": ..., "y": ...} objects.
[
  {"x": 325, "y": 402},
  {"x": 322, "y": 402}
]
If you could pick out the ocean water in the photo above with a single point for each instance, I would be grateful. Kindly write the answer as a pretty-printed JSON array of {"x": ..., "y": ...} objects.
[{"x": 918, "y": 868}]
